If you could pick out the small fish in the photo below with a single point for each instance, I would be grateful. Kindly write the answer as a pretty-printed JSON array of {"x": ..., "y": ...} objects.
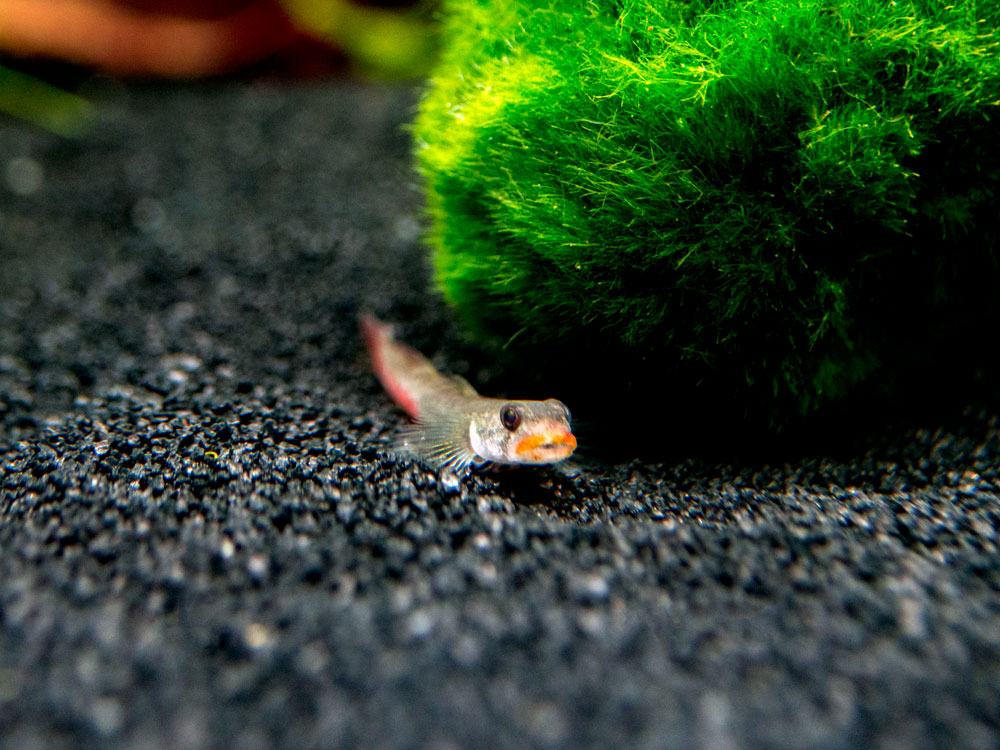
[{"x": 454, "y": 426}]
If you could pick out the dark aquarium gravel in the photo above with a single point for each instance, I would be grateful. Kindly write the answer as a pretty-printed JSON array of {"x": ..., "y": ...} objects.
[{"x": 205, "y": 544}]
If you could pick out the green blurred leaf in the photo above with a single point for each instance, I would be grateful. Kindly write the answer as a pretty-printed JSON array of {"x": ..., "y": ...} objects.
[
  {"x": 391, "y": 43},
  {"x": 44, "y": 105}
]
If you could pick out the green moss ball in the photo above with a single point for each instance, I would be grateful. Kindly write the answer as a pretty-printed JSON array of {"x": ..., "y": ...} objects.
[{"x": 760, "y": 204}]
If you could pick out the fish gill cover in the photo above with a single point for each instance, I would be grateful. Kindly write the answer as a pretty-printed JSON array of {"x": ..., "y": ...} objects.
[{"x": 761, "y": 206}]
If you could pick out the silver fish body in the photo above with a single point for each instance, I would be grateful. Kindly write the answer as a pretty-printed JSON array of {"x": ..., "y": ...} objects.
[{"x": 454, "y": 427}]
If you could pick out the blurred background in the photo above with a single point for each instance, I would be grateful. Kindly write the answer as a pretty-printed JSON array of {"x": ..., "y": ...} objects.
[{"x": 50, "y": 50}]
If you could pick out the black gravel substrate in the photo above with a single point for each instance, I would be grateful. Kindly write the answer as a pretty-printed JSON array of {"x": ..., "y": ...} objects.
[{"x": 204, "y": 544}]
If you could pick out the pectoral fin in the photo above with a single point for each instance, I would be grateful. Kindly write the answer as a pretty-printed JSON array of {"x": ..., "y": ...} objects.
[{"x": 440, "y": 440}]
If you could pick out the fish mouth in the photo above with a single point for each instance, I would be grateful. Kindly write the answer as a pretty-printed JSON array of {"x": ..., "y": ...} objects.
[{"x": 545, "y": 447}]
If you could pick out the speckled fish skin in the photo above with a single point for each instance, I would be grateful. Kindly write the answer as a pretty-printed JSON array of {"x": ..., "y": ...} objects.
[{"x": 455, "y": 427}]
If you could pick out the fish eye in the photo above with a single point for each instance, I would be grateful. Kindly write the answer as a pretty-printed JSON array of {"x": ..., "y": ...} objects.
[{"x": 510, "y": 417}]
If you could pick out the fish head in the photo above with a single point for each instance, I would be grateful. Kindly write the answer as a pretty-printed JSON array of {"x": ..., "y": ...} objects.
[{"x": 522, "y": 432}]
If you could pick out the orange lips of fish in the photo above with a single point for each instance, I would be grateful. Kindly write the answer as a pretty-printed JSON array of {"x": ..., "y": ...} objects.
[{"x": 546, "y": 446}]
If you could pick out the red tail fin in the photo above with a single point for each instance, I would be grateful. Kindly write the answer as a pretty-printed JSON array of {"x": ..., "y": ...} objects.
[{"x": 378, "y": 340}]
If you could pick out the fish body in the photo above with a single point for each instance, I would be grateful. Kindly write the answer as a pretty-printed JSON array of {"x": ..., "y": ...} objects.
[{"x": 454, "y": 427}]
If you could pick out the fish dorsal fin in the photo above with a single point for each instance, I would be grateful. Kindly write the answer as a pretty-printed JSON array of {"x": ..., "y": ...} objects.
[{"x": 464, "y": 387}]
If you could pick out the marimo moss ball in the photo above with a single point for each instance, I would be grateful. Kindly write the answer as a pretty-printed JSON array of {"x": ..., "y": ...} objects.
[{"x": 763, "y": 205}]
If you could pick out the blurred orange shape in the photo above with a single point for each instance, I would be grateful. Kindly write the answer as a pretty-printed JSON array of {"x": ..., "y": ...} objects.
[{"x": 169, "y": 38}]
